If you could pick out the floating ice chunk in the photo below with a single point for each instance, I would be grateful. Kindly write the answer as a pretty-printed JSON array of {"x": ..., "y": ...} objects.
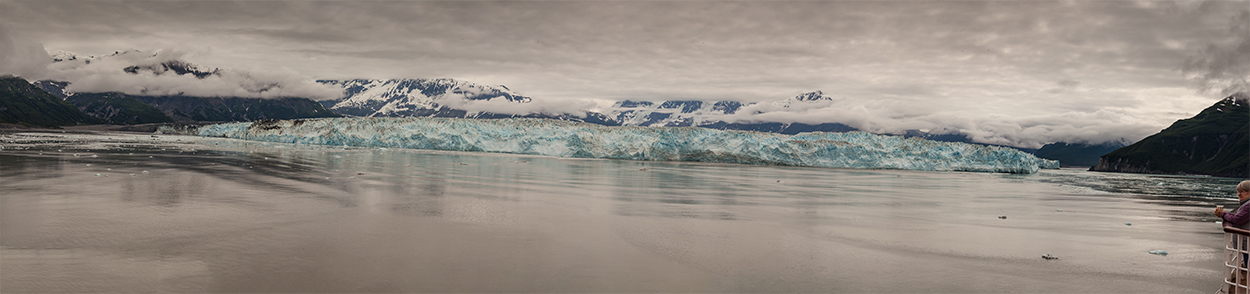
[
  {"x": 1158, "y": 252},
  {"x": 75, "y": 154},
  {"x": 582, "y": 140},
  {"x": 94, "y": 156},
  {"x": 97, "y": 175},
  {"x": 145, "y": 172}
]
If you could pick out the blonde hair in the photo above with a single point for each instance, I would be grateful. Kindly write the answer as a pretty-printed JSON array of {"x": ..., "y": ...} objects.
[{"x": 1244, "y": 186}]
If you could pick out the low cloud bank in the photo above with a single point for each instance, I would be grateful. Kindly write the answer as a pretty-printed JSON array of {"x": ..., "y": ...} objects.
[
  {"x": 888, "y": 116},
  {"x": 30, "y": 60},
  {"x": 149, "y": 74},
  {"x": 575, "y": 108}
]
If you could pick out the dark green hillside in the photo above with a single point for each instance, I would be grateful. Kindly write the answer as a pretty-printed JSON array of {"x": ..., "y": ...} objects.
[
  {"x": 118, "y": 108},
  {"x": 1214, "y": 142},
  {"x": 21, "y": 102},
  {"x": 188, "y": 109},
  {"x": 1076, "y": 154}
]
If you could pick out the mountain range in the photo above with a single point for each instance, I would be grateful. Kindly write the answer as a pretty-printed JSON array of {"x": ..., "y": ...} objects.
[
  {"x": 447, "y": 97},
  {"x": 429, "y": 98}
]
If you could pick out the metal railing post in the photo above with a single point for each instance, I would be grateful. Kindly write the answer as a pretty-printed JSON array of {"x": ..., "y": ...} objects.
[{"x": 1235, "y": 254}]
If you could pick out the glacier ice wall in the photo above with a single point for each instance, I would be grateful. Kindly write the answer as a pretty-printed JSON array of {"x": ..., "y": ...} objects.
[{"x": 583, "y": 140}]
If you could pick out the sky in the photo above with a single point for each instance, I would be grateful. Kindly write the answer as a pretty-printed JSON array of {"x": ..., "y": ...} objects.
[{"x": 1019, "y": 73}]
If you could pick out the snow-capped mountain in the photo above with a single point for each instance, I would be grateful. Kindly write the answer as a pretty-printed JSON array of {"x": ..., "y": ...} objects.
[
  {"x": 435, "y": 98},
  {"x": 410, "y": 97},
  {"x": 177, "y": 67},
  {"x": 715, "y": 114},
  {"x": 680, "y": 113},
  {"x": 62, "y": 55},
  {"x": 54, "y": 87},
  {"x": 441, "y": 97},
  {"x": 686, "y": 113}
]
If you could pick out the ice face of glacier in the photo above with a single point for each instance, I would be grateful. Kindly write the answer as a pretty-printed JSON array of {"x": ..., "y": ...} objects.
[{"x": 584, "y": 140}]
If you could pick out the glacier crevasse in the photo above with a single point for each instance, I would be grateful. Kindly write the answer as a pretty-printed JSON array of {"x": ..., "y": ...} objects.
[{"x": 583, "y": 140}]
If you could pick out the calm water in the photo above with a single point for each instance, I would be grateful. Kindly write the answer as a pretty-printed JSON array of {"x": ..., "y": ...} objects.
[{"x": 140, "y": 213}]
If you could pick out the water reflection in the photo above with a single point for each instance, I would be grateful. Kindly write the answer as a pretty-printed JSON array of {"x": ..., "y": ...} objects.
[
  {"x": 1144, "y": 184},
  {"x": 418, "y": 183},
  {"x": 236, "y": 216}
]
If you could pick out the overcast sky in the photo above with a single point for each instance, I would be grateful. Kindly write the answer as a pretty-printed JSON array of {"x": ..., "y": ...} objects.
[{"x": 1022, "y": 73}]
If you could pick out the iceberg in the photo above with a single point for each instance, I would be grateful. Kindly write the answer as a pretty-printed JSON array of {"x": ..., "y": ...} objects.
[{"x": 584, "y": 140}]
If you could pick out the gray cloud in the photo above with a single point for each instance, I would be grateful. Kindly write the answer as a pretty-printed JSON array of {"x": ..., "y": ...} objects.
[
  {"x": 1224, "y": 66},
  {"x": 21, "y": 57},
  {"x": 106, "y": 74},
  {"x": 297, "y": 35},
  {"x": 896, "y": 116},
  {"x": 1064, "y": 86}
]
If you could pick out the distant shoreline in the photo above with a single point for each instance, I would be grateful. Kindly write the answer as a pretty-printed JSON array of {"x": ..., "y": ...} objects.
[{"x": 140, "y": 128}]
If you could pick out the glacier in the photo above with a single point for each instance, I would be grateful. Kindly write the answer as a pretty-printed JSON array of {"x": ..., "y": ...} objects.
[{"x": 584, "y": 140}]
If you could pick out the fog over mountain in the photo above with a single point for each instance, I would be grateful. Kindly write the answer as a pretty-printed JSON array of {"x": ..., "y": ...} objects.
[
  {"x": 148, "y": 72},
  {"x": 164, "y": 72}
]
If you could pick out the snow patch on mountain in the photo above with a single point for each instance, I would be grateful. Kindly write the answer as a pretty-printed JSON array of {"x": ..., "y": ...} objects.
[
  {"x": 440, "y": 97},
  {"x": 682, "y": 113}
]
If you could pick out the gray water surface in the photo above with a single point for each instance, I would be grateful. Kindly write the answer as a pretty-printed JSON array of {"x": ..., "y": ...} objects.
[{"x": 220, "y": 215}]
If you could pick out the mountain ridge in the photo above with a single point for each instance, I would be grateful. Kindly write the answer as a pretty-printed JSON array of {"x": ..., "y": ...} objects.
[
  {"x": 1213, "y": 142},
  {"x": 24, "y": 103}
]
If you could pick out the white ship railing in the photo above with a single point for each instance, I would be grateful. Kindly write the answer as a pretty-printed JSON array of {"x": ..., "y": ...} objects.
[{"x": 1236, "y": 242}]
